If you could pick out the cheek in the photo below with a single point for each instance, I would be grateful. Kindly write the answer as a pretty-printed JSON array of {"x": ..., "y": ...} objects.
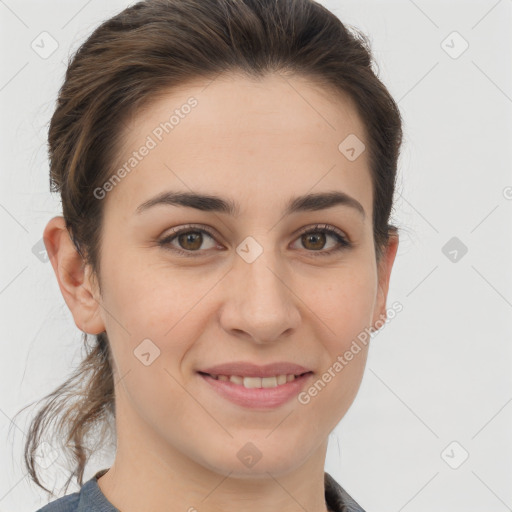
[
  {"x": 345, "y": 308},
  {"x": 148, "y": 295},
  {"x": 344, "y": 303},
  {"x": 155, "y": 394},
  {"x": 345, "y": 339}
]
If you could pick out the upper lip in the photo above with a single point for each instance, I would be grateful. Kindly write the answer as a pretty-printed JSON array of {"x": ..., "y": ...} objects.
[{"x": 243, "y": 369}]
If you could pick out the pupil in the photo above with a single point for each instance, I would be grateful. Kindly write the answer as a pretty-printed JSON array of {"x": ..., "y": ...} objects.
[
  {"x": 319, "y": 238},
  {"x": 189, "y": 237}
]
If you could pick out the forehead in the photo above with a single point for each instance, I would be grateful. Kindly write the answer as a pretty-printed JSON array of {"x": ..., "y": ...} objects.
[{"x": 255, "y": 140}]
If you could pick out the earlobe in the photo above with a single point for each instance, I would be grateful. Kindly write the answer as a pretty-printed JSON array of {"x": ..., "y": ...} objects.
[
  {"x": 384, "y": 274},
  {"x": 73, "y": 277}
]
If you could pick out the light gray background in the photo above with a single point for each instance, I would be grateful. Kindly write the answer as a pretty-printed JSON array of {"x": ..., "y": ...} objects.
[{"x": 439, "y": 372}]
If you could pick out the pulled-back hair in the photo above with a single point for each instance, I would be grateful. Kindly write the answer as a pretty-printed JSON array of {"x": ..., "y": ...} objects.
[{"x": 125, "y": 64}]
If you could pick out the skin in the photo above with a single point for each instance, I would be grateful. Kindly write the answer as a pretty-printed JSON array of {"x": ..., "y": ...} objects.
[{"x": 258, "y": 143}]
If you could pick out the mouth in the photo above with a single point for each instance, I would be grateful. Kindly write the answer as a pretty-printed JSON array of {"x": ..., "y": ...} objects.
[
  {"x": 254, "y": 392},
  {"x": 255, "y": 382}
]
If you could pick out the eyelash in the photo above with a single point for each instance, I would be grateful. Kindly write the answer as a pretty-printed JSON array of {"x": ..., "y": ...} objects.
[{"x": 319, "y": 228}]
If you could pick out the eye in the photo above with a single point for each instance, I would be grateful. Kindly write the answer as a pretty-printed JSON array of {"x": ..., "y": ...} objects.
[
  {"x": 190, "y": 238},
  {"x": 316, "y": 237}
]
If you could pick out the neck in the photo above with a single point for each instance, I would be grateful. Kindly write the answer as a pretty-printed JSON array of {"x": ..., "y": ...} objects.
[{"x": 148, "y": 475}]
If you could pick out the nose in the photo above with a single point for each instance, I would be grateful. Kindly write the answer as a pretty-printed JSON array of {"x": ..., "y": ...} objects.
[{"x": 259, "y": 301}]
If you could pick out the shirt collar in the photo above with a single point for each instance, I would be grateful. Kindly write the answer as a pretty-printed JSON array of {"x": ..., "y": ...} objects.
[{"x": 337, "y": 499}]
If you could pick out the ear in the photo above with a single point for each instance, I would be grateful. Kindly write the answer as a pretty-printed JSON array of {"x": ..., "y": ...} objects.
[
  {"x": 384, "y": 274},
  {"x": 74, "y": 278}
]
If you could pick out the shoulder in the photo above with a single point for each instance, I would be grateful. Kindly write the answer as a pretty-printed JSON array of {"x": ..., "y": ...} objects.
[
  {"x": 337, "y": 499},
  {"x": 88, "y": 499},
  {"x": 67, "y": 503}
]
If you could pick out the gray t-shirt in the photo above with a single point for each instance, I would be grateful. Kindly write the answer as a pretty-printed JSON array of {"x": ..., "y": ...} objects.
[{"x": 90, "y": 498}]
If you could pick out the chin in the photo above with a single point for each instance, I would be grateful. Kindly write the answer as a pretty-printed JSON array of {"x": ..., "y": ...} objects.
[{"x": 256, "y": 459}]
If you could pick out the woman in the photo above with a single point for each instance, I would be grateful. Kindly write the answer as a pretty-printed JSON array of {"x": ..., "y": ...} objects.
[{"x": 227, "y": 170}]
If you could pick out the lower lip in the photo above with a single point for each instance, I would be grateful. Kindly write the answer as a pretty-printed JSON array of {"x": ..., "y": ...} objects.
[{"x": 257, "y": 398}]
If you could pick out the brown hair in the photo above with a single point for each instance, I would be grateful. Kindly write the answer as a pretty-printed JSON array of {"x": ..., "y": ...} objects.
[{"x": 146, "y": 50}]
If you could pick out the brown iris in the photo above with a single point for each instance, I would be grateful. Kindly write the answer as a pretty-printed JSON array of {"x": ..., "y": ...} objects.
[
  {"x": 194, "y": 237},
  {"x": 315, "y": 237}
]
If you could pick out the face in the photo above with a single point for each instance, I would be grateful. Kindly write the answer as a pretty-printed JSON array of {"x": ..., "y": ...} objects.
[{"x": 260, "y": 284}]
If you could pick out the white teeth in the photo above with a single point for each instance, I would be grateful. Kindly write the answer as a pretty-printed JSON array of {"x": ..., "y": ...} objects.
[
  {"x": 257, "y": 382},
  {"x": 269, "y": 382},
  {"x": 281, "y": 379},
  {"x": 252, "y": 382}
]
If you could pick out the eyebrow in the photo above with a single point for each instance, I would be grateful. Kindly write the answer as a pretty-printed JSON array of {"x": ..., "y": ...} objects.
[{"x": 211, "y": 203}]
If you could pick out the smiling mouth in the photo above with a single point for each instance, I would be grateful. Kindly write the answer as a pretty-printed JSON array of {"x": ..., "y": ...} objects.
[{"x": 257, "y": 382}]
